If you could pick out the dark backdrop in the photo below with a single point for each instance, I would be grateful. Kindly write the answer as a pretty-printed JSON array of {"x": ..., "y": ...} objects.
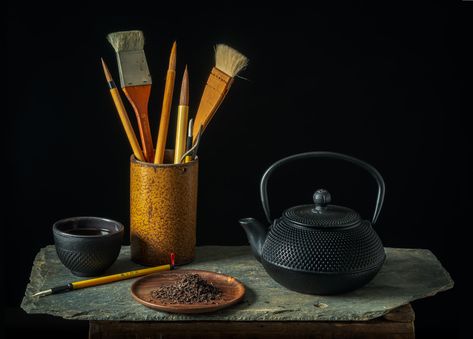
[{"x": 381, "y": 84}]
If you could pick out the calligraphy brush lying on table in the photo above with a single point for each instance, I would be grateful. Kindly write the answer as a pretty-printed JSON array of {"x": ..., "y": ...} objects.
[{"x": 106, "y": 279}]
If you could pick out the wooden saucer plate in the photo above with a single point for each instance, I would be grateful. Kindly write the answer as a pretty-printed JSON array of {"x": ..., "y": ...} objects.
[{"x": 233, "y": 291}]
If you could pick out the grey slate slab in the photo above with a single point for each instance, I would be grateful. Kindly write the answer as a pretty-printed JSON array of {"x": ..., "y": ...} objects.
[{"x": 407, "y": 275}]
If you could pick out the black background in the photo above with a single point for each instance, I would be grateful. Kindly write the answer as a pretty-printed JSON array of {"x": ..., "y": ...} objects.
[{"x": 383, "y": 84}]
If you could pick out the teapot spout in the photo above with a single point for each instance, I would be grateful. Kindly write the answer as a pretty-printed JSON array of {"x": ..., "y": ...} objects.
[{"x": 256, "y": 233}]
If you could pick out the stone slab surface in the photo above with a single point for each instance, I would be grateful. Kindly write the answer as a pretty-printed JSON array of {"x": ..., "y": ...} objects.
[{"x": 407, "y": 275}]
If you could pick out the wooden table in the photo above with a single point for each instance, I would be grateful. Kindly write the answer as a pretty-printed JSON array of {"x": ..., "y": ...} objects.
[
  {"x": 398, "y": 324},
  {"x": 380, "y": 309}
]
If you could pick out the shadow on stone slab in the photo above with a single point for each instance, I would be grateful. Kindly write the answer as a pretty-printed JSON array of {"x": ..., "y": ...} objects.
[
  {"x": 209, "y": 254},
  {"x": 123, "y": 264}
]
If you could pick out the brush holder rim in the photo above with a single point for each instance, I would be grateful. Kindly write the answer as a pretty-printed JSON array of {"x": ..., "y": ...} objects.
[{"x": 150, "y": 164}]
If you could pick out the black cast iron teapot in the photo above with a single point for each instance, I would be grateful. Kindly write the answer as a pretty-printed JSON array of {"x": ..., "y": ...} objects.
[{"x": 318, "y": 248}]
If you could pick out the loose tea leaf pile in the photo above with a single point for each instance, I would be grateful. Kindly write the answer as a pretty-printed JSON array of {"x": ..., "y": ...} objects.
[{"x": 190, "y": 289}]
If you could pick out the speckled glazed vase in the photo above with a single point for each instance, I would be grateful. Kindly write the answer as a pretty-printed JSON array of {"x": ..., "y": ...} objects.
[{"x": 163, "y": 205}]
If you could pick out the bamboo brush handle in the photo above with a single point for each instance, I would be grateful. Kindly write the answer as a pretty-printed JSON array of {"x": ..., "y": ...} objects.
[
  {"x": 117, "y": 277},
  {"x": 215, "y": 90},
  {"x": 181, "y": 135},
  {"x": 138, "y": 97},
  {"x": 165, "y": 115},
  {"x": 130, "y": 133}
]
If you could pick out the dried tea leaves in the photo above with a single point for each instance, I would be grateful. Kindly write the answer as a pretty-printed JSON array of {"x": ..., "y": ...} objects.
[{"x": 190, "y": 289}]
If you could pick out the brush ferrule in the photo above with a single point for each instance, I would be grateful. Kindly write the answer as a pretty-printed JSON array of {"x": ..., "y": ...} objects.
[
  {"x": 111, "y": 84},
  {"x": 63, "y": 288},
  {"x": 133, "y": 68},
  {"x": 220, "y": 79}
]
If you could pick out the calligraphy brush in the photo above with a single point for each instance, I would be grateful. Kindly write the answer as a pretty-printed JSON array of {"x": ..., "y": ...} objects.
[
  {"x": 182, "y": 116},
  {"x": 106, "y": 279},
  {"x": 228, "y": 63},
  {"x": 166, "y": 109},
  {"x": 135, "y": 80},
  {"x": 130, "y": 133}
]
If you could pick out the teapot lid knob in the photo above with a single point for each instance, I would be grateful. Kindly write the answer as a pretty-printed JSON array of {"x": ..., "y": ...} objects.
[
  {"x": 322, "y": 198},
  {"x": 322, "y": 214}
]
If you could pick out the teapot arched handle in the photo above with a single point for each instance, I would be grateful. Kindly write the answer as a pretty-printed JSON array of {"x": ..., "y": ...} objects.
[{"x": 329, "y": 155}]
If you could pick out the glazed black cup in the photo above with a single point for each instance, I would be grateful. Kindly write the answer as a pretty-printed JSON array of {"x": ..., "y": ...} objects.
[{"x": 87, "y": 245}]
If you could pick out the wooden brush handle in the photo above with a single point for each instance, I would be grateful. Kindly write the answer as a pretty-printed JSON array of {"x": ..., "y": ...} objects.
[
  {"x": 130, "y": 133},
  {"x": 139, "y": 97},
  {"x": 215, "y": 90},
  {"x": 165, "y": 115}
]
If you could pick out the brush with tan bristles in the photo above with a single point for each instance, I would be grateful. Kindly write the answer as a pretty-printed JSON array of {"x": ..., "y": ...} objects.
[
  {"x": 228, "y": 63},
  {"x": 182, "y": 115}
]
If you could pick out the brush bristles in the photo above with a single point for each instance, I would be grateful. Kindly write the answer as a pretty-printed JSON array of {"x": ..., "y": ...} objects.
[
  {"x": 126, "y": 40},
  {"x": 229, "y": 60}
]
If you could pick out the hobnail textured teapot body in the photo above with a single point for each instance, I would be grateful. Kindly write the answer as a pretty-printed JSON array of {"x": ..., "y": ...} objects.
[
  {"x": 318, "y": 248},
  {"x": 336, "y": 260}
]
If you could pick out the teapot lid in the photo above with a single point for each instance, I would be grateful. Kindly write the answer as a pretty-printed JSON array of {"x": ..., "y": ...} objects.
[{"x": 321, "y": 214}]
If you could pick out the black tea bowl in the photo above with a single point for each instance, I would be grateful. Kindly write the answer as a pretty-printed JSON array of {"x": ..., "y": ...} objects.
[{"x": 87, "y": 245}]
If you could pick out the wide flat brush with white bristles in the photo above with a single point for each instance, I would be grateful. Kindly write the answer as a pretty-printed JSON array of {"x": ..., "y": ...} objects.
[
  {"x": 135, "y": 80},
  {"x": 228, "y": 63}
]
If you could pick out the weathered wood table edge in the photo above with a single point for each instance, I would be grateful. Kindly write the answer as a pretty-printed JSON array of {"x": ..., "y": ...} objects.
[
  {"x": 390, "y": 319},
  {"x": 397, "y": 324}
]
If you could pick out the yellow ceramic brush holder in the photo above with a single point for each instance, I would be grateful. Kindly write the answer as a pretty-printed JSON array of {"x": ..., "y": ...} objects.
[{"x": 163, "y": 205}]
